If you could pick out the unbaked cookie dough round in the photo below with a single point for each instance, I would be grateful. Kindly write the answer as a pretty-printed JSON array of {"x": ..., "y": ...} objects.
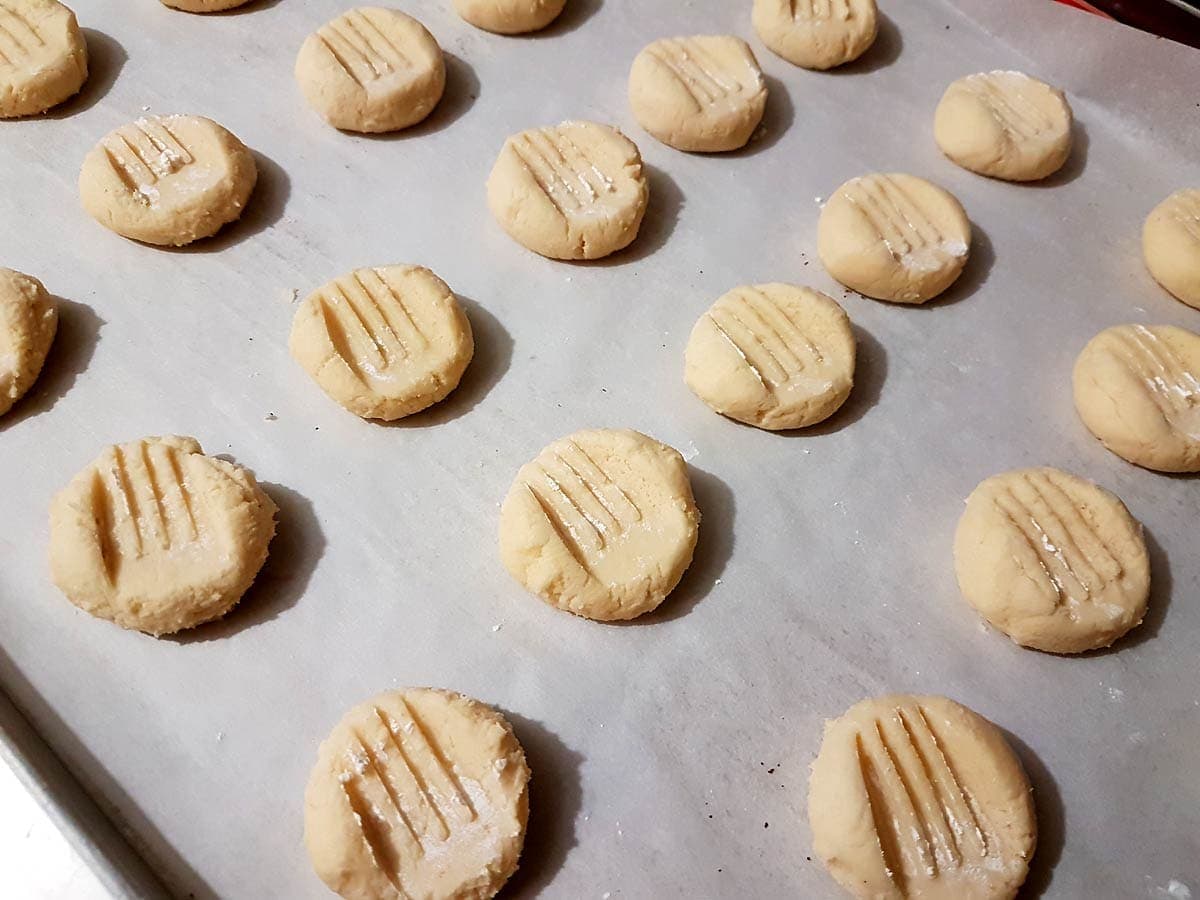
[
  {"x": 28, "y": 321},
  {"x": 509, "y": 16},
  {"x": 385, "y": 342},
  {"x": 772, "y": 355},
  {"x": 601, "y": 524},
  {"x": 1055, "y": 562},
  {"x": 1137, "y": 388},
  {"x": 816, "y": 34},
  {"x": 167, "y": 180},
  {"x": 1171, "y": 244},
  {"x": 894, "y": 237},
  {"x": 158, "y": 537},
  {"x": 204, "y": 6},
  {"x": 420, "y": 793},
  {"x": 571, "y": 191},
  {"x": 1004, "y": 124},
  {"x": 703, "y": 93},
  {"x": 919, "y": 797},
  {"x": 43, "y": 56},
  {"x": 372, "y": 70}
]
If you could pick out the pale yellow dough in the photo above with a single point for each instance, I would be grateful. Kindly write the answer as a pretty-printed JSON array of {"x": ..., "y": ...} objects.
[
  {"x": 601, "y": 524},
  {"x": 772, "y": 355},
  {"x": 1004, "y": 124},
  {"x": 894, "y": 237},
  {"x": 43, "y": 56},
  {"x": 419, "y": 794},
  {"x": 372, "y": 70},
  {"x": 703, "y": 93},
  {"x": 158, "y": 537},
  {"x": 204, "y": 6},
  {"x": 509, "y": 16},
  {"x": 28, "y": 321},
  {"x": 1137, "y": 389},
  {"x": 919, "y": 798},
  {"x": 816, "y": 34},
  {"x": 572, "y": 191},
  {"x": 167, "y": 180},
  {"x": 1171, "y": 244},
  {"x": 1055, "y": 562},
  {"x": 384, "y": 342}
]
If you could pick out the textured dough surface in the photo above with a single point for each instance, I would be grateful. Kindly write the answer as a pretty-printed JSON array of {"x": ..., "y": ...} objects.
[
  {"x": 894, "y": 237},
  {"x": 158, "y": 537},
  {"x": 1055, "y": 562},
  {"x": 43, "y": 56},
  {"x": 385, "y": 342},
  {"x": 204, "y": 6},
  {"x": 919, "y": 798},
  {"x": 1004, "y": 124},
  {"x": 601, "y": 524},
  {"x": 1137, "y": 389},
  {"x": 772, "y": 355},
  {"x": 703, "y": 93},
  {"x": 419, "y": 794},
  {"x": 167, "y": 180},
  {"x": 816, "y": 34},
  {"x": 571, "y": 191},
  {"x": 371, "y": 70},
  {"x": 28, "y": 321},
  {"x": 1171, "y": 244},
  {"x": 509, "y": 16}
]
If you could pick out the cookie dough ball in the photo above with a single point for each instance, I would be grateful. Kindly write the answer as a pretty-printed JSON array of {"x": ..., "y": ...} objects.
[
  {"x": 372, "y": 70},
  {"x": 167, "y": 180},
  {"x": 509, "y": 16},
  {"x": 158, "y": 537},
  {"x": 1171, "y": 243},
  {"x": 816, "y": 34},
  {"x": 704, "y": 94},
  {"x": 1053, "y": 561},
  {"x": 1137, "y": 388},
  {"x": 28, "y": 320},
  {"x": 773, "y": 355},
  {"x": 384, "y": 343},
  {"x": 601, "y": 524},
  {"x": 572, "y": 191},
  {"x": 894, "y": 237},
  {"x": 43, "y": 57},
  {"x": 1004, "y": 124},
  {"x": 919, "y": 797},
  {"x": 204, "y": 6},
  {"x": 420, "y": 793}
]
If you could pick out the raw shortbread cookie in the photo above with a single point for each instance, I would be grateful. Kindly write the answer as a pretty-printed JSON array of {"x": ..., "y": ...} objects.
[
  {"x": 894, "y": 237},
  {"x": 384, "y": 343},
  {"x": 572, "y": 191},
  {"x": 773, "y": 355},
  {"x": 204, "y": 6},
  {"x": 372, "y": 70},
  {"x": 919, "y": 797},
  {"x": 167, "y": 180},
  {"x": 43, "y": 57},
  {"x": 1055, "y": 562},
  {"x": 1004, "y": 124},
  {"x": 419, "y": 794},
  {"x": 703, "y": 93},
  {"x": 1171, "y": 244},
  {"x": 1137, "y": 389},
  {"x": 601, "y": 524},
  {"x": 156, "y": 536},
  {"x": 509, "y": 16},
  {"x": 28, "y": 320},
  {"x": 816, "y": 34}
]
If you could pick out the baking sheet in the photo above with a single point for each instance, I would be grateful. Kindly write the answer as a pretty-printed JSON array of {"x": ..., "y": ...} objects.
[{"x": 670, "y": 756}]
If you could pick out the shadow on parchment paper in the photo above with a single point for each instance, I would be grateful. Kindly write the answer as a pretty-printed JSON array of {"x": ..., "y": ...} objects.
[
  {"x": 662, "y": 214},
  {"x": 870, "y": 372},
  {"x": 297, "y": 547},
  {"x": 1075, "y": 164},
  {"x": 575, "y": 14},
  {"x": 462, "y": 90},
  {"x": 1161, "y": 587},
  {"x": 493, "y": 356},
  {"x": 555, "y": 798},
  {"x": 1051, "y": 820},
  {"x": 881, "y": 54},
  {"x": 106, "y": 58},
  {"x": 74, "y": 344},
  {"x": 777, "y": 119},
  {"x": 255, "y": 6}
]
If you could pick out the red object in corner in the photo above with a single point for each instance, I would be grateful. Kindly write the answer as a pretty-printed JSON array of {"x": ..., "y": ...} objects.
[{"x": 1079, "y": 4}]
